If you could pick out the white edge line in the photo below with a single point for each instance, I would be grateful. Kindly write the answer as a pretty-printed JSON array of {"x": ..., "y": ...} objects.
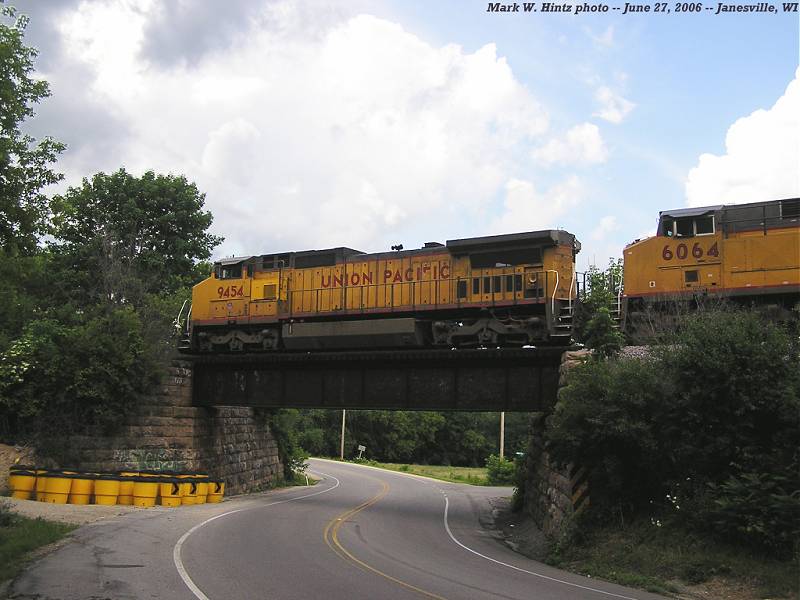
[
  {"x": 176, "y": 551},
  {"x": 424, "y": 479},
  {"x": 494, "y": 560}
]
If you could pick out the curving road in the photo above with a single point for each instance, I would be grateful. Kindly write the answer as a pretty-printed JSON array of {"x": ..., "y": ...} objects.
[{"x": 359, "y": 533}]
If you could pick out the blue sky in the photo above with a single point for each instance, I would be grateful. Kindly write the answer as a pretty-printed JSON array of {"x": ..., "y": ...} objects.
[{"x": 366, "y": 124}]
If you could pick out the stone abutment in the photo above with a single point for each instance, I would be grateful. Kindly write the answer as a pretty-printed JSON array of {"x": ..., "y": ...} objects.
[{"x": 167, "y": 433}]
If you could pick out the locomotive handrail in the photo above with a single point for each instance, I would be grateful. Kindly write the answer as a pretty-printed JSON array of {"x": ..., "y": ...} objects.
[
  {"x": 555, "y": 289},
  {"x": 572, "y": 284},
  {"x": 177, "y": 322}
]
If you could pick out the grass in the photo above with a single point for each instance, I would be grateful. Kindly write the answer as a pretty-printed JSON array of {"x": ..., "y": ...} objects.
[
  {"x": 470, "y": 475},
  {"x": 19, "y": 536},
  {"x": 653, "y": 558},
  {"x": 302, "y": 479}
]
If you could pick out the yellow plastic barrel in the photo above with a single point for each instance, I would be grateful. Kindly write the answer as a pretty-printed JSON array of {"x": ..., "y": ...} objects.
[
  {"x": 126, "y": 481},
  {"x": 216, "y": 489},
  {"x": 57, "y": 487},
  {"x": 170, "y": 491},
  {"x": 22, "y": 483},
  {"x": 145, "y": 491},
  {"x": 41, "y": 481},
  {"x": 106, "y": 489},
  {"x": 188, "y": 491},
  {"x": 82, "y": 489},
  {"x": 202, "y": 491}
]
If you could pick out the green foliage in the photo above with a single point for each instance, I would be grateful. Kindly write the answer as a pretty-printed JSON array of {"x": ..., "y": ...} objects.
[
  {"x": 601, "y": 335},
  {"x": 601, "y": 288},
  {"x": 82, "y": 376},
  {"x": 704, "y": 432},
  {"x": 649, "y": 554},
  {"x": 604, "y": 420},
  {"x": 24, "y": 164},
  {"x": 463, "y": 439},
  {"x": 393, "y": 436},
  {"x": 283, "y": 425},
  {"x": 468, "y": 475},
  {"x": 124, "y": 237},
  {"x": 520, "y": 480},
  {"x": 500, "y": 471},
  {"x": 6, "y": 516},
  {"x": 759, "y": 507},
  {"x": 19, "y": 536}
]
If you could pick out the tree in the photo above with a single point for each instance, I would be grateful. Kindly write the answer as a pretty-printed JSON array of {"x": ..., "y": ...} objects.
[
  {"x": 24, "y": 164},
  {"x": 601, "y": 334},
  {"x": 125, "y": 237},
  {"x": 601, "y": 287},
  {"x": 73, "y": 376},
  {"x": 709, "y": 422}
]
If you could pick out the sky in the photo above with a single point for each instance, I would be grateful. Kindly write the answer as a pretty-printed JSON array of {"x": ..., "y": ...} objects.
[{"x": 369, "y": 123}]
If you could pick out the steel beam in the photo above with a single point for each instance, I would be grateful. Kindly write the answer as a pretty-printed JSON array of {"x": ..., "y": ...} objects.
[{"x": 502, "y": 379}]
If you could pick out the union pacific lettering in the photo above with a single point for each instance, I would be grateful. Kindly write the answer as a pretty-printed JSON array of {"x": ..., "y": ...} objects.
[{"x": 438, "y": 271}]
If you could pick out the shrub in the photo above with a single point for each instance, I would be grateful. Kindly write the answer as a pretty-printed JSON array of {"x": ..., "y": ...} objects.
[
  {"x": 709, "y": 424},
  {"x": 6, "y": 516},
  {"x": 500, "y": 471}
]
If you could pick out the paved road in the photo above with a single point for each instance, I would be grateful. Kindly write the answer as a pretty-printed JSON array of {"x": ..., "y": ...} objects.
[{"x": 359, "y": 533}]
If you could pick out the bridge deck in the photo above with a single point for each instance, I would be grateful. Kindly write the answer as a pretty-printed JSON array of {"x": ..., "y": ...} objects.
[{"x": 502, "y": 379}]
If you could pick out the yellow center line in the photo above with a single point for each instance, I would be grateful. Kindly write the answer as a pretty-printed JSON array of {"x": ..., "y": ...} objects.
[{"x": 331, "y": 536}]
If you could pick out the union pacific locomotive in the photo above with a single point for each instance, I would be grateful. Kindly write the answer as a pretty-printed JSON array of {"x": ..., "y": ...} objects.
[
  {"x": 744, "y": 252},
  {"x": 503, "y": 290}
]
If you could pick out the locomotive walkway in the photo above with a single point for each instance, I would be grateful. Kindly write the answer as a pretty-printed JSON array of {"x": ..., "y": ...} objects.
[{"x": 500, "y": 379}]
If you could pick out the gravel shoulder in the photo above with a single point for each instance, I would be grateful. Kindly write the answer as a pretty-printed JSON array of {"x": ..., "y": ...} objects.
[{"x": 67, "y": 513}]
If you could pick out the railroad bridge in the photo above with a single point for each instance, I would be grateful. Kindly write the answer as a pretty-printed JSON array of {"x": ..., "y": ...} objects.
[{"x": 499, "y": 379}]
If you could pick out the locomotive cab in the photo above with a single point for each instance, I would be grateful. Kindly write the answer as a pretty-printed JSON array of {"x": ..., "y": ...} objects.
[
  {"x": 745, "y": 252},
  {"x": 678, "y": 224}
]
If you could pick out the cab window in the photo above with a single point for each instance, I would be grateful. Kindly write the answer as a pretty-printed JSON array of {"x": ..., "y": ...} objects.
[
  {"x": 668, "y": 228},
  {"x": 704, "y": 225},
  {"x": 229, "y": 272},
  {"x": 684, "y": 227}
]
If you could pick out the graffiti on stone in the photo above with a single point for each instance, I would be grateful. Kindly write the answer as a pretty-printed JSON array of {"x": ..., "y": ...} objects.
[
  {"x": 181, "y": 374},
  {"x": 160, "y": 459}
]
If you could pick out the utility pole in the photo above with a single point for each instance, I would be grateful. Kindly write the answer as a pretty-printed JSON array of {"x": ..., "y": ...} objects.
[
  {"x": 341, "y": 446},
  {"x": 502, "y": 432}
]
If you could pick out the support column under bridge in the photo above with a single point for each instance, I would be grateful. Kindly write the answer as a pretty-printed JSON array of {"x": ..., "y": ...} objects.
[{"x": 500, "y": 379}]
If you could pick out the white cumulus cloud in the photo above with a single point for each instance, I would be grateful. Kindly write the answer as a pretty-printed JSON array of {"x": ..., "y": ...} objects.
[
  {"x": 761, "y": 160},
  {"x": 344, "y": 130},
  {"x": 603, "y": 40},
  {"x": 606, "y": 225},
  {"x": 528, "y": 209},
  {"x": 613, "y": 107},
  {"x": 581, "y": 144}
]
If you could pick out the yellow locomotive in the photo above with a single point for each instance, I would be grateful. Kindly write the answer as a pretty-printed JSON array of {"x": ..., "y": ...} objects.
[
  {"x": 488, "y": 291},
  {"x": 748, "y": 252}
]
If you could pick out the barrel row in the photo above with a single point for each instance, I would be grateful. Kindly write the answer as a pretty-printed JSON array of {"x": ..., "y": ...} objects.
[{"x": 136, "y": 488}]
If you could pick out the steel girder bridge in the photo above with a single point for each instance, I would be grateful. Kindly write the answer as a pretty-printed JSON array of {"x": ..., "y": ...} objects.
[{"x": 501, "y": 379}]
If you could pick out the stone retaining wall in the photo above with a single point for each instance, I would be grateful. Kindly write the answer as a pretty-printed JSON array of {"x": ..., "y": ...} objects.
[
  {"x": 553, "y": 494},
  {"x": 168, "y": 433}
]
